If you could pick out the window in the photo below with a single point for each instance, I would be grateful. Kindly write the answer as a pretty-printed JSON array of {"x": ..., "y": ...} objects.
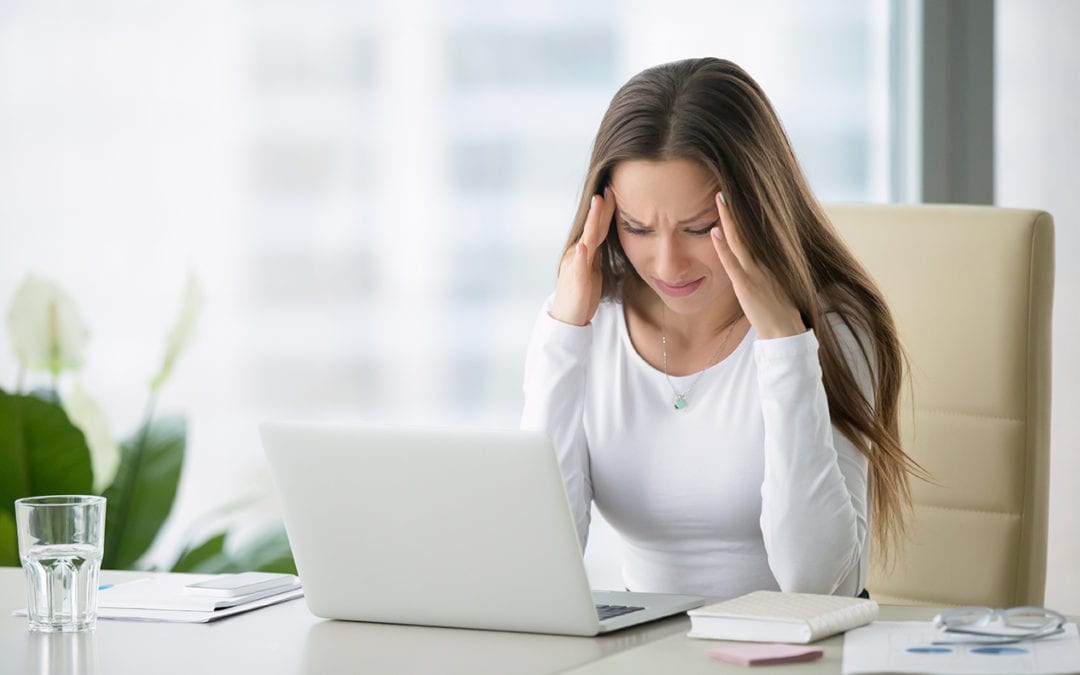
[{"x": 375, "y": 196}]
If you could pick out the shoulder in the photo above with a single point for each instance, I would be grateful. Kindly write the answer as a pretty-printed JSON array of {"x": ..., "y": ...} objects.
[
  {"x": 847, "y": 333},
  {"x": 855, "y": 344},
  {"x": 845, "y": 323},
  {"x": 609, "y": 308},
  {"x": 608, "y": 319}
]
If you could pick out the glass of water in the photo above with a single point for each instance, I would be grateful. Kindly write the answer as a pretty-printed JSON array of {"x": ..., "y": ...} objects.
[{"x": 61, "y": 542}]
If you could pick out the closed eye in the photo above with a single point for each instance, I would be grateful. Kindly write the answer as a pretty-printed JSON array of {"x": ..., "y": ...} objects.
[
  {"x": 633, "y": 229},
  {"x": 630, "y": 229},
  {"x": 705, "y": 230}
]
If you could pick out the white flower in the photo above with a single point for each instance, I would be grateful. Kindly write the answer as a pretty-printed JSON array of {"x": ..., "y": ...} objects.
[
  {"x": 85, "y": 413},
  {"x": 47, "y": 332},
  {"x": 183, "y": 331}
]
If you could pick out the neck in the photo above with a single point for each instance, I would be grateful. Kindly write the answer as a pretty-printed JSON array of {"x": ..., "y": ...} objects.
[
  {"x": 691, "y": 331},
  {"x": 702, "y": 327}
]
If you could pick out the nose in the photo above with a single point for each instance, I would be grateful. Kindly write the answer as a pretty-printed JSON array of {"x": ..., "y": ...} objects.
[{"x": 672, "y": 261}]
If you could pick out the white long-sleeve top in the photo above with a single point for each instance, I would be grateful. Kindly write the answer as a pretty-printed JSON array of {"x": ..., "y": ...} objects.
[{"x": 748, "y": 488}]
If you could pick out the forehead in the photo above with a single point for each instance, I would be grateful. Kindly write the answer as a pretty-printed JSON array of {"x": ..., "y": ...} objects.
[{"x": 675, "y": 188}]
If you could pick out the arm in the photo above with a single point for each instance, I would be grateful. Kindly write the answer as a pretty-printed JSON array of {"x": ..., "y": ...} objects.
[
  {"x": 556, "y": 366},
  {"x": 814, "y": 495}
]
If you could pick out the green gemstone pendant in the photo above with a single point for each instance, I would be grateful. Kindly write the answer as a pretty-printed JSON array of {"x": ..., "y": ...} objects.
[{"x": 680, "y": 403}]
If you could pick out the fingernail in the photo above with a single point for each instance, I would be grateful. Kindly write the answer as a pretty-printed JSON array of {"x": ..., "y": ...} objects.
[
  {"x": 723, "y": 199},
  {"x": 592, "y": 202},
  {"x": 717, "y": 234}
]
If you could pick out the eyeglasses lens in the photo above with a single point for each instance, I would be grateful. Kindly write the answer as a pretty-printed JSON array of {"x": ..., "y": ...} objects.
[
  {"x": 1028, "y": 618},
  {"x": 967, "y": 616}
]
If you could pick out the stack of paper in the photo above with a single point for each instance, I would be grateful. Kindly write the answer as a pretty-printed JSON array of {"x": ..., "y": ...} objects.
[{"x": 164, "y": 598}]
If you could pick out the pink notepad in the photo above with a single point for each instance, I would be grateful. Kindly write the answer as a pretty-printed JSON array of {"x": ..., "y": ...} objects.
[{"x": 764, "y": 654}]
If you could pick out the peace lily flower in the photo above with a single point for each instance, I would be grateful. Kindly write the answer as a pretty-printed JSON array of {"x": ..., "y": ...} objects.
[
  {"x": 85, "y": 413},
  {"x": 183, "y": 331},
  {"x": 47, "y": 333},
  {"x": 46, "y": 330}
]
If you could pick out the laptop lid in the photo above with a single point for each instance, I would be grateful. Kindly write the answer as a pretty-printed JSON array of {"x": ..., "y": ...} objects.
[{"x": 438, "y": 527}]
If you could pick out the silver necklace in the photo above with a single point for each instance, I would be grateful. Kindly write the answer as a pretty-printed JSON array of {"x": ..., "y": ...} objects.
[{"x": 680, "y": 399}]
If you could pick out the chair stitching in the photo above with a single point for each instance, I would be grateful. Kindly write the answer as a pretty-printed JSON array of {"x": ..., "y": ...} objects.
[
  {"x": 985, "y": 512},
  {"x": 958, "y": 413}
]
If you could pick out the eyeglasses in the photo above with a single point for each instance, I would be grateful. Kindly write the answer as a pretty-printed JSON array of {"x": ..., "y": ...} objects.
[{"x": 999, "y": 626}]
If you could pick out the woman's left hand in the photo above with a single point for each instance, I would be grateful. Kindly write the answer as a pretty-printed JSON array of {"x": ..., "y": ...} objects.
[{"x": 764, "y": 301}]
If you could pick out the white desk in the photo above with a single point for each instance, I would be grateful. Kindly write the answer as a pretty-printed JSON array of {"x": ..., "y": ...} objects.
[{"x": 286, "y": 638}]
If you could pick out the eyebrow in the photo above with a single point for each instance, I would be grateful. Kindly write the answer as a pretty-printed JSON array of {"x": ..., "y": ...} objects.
[{"x": 688, "y": 221}]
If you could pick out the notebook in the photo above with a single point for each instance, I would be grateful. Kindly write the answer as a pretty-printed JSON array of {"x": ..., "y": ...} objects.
[
  {"x": 441, "y": 527},
  {"x": 771, "y": 616}
]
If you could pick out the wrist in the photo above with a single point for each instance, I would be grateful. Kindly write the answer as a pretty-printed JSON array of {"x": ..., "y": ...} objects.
[
  {"x": 783, "y": 330},
  {"x": 569, "y": 322}
]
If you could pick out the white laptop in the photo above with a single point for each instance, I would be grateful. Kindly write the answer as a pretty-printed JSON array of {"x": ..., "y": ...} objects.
[{"x": 440, "y": 527}]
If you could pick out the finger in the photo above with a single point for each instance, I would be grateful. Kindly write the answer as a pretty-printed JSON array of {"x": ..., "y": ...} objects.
[
  {"x": 588, "y": 231},
  {"x": 567, "y": 262},
  {"x": 731, "y": 232},
  {"x": 598, "y": 222},
  {"x": 607, "y": 213},
  {"x": 581, "y": 261},
  {"x": 728, "y": 259}
]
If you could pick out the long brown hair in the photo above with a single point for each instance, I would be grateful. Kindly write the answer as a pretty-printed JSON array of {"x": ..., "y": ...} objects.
[{"x": 711, "y": 111}]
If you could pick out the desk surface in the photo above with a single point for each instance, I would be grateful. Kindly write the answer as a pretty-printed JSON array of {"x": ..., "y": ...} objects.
[{"x": 287, "y": 638}]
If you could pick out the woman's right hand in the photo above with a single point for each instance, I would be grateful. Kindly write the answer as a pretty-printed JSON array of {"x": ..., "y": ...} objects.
[{"x": 577, "y": 292}]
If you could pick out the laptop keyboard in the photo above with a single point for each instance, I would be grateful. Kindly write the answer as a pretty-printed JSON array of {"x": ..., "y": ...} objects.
[{"x": 609, "y": 611}]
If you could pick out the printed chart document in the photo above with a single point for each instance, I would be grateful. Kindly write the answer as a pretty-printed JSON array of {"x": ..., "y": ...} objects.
[{"x": 907, "y": 647}]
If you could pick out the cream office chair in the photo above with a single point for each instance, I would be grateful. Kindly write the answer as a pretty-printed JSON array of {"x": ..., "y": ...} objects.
[{"x": 971, "y": 290}]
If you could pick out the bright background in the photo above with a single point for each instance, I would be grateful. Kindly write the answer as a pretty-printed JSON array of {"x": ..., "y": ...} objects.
[{"x": 375, "y": 195}]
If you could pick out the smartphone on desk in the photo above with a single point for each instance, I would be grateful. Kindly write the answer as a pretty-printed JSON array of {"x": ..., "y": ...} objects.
[{"x": 244, "y": 583}]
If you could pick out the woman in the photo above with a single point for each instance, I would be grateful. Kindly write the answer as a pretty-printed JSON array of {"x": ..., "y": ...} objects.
[{"x": 715, "y": 369}]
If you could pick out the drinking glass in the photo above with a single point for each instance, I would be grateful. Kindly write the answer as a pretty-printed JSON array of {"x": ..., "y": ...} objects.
[{"x": 61, "y": 540}]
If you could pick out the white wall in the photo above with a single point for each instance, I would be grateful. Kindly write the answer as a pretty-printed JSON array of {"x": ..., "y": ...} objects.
[{"x": 1037, "y": 141}]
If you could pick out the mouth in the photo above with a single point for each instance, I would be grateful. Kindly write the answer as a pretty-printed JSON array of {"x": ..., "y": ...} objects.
[{"x": 678, "y": 290}]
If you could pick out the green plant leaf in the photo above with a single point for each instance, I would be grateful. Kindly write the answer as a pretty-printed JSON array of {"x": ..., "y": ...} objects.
[
  {"x": 9, "y": 547},
  {"x": 142, "y": 494},
  {"x": 192, "y": 558},
  {"x": 269, "y": 552},
  {"x": 41, "y": 452}
]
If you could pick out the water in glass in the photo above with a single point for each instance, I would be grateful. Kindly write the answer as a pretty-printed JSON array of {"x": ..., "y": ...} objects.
[
  {"x": 61, "y": 542},
  {"x": 62, "y": 585}
]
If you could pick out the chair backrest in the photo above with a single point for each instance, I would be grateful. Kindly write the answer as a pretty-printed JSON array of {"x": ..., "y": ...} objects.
[{"x": 971, "y": 290}]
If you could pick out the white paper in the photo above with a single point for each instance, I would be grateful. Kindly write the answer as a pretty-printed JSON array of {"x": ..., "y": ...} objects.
[
  {"x": 193, "y": 616},
  {"x": 162, "y": 598},
  {"x": 167, "y": 592},
  {"x": 906, "y": 647},
  {"x": 183, "y": 615}
]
